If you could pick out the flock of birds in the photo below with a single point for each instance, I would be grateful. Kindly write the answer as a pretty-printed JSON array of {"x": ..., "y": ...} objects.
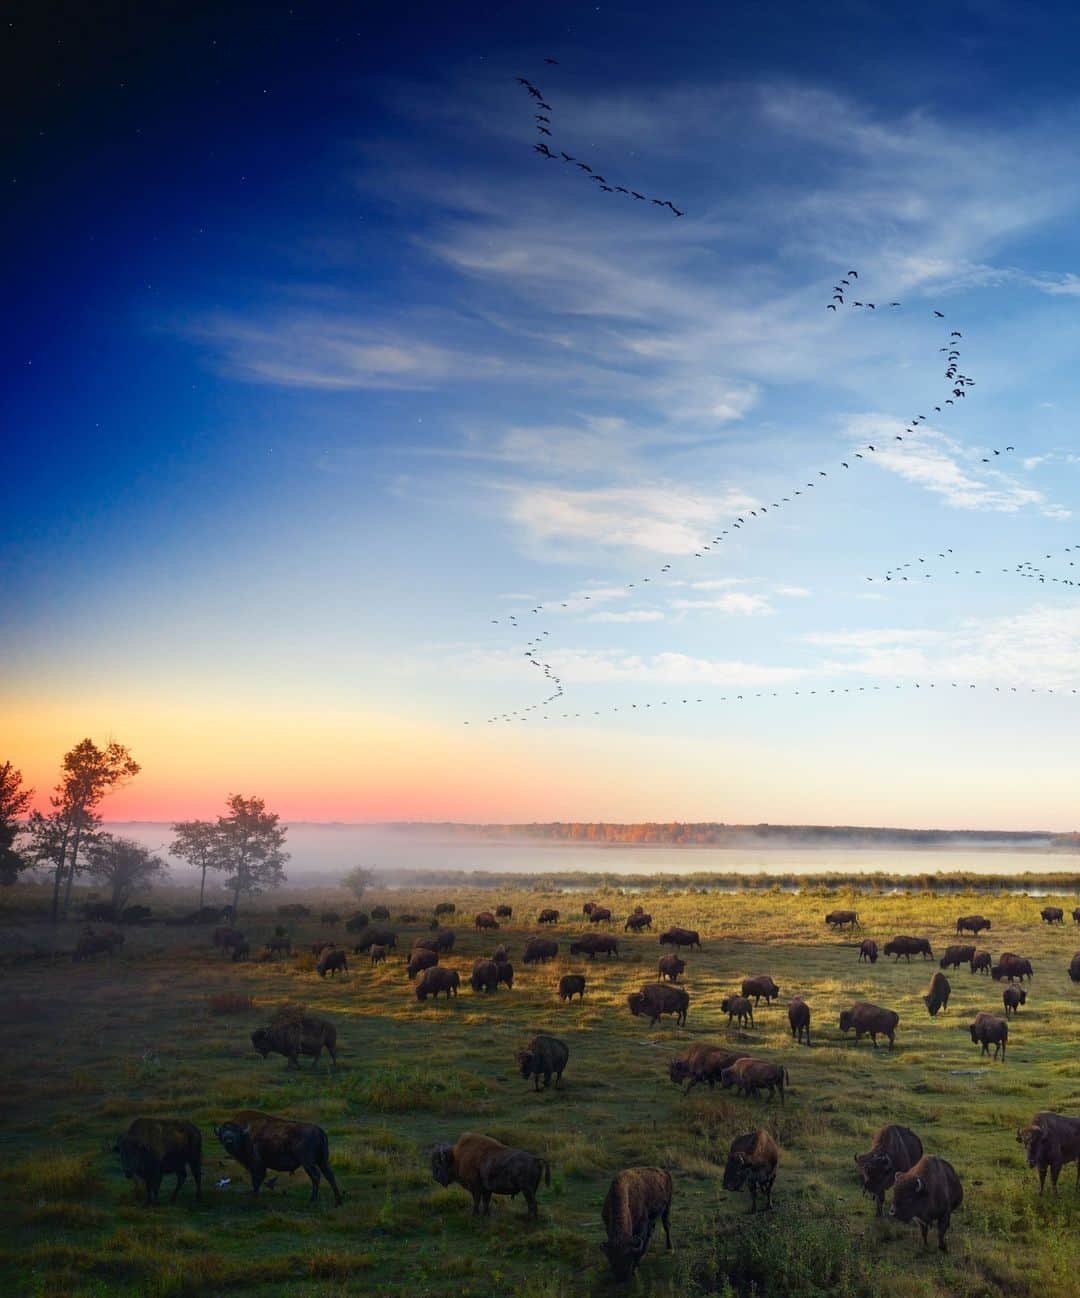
[{"x": 957, "y": 383}]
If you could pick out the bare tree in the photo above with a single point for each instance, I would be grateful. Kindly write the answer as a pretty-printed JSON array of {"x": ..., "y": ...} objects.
[
  {"x": 199, "y": 843},
  {"x": 251, "y": 844},
  {"x": 14, "y": 804},
  {"x": 123, "y": 866}
]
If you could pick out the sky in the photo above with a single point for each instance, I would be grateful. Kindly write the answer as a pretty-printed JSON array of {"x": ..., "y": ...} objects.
[{"x": 318, "y": 373}]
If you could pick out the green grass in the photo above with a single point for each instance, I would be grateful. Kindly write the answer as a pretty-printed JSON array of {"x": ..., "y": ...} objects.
[{"x": 92, "y": 1046}]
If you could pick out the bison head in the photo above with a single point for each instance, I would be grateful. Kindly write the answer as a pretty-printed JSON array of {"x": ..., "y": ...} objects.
[
  {"x": 725, "y": 1005},
  {"x": 727, "y": 1076},
  {"x": 845, "y": 1021},
  {"x": 636, "y": 1001},
  {"x": 910, "y": 1197},
  {"x": 678, "y": 1070},
  {"x": 235, "y": 1139},
  {"x": 876, "y": 1170},
  {"x": 133, "y": 1157},
  {"x": 932, "y": 1004},
  {"x": 974, "y": 1030},
  {"x": 525, "y": 1062},
  {"x": 1034, "y": 1140},
  {"x": 735, "y": 1172},
  {"x": 624, "y": 1256},
  {"x": 262, "y": 1041},
  {"x": 442, "y": 1164}
]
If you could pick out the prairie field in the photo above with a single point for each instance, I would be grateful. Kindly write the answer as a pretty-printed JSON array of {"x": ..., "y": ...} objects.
[{"x": 163, "y": 1029}]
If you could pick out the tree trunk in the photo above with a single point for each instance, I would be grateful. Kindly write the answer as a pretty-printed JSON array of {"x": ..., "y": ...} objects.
[
  {"x": 59, "y": 876},
  {"x": 202, "y": 887},
  {"x": 71, "y": 868},
  {"x": 236, "y": 899}
]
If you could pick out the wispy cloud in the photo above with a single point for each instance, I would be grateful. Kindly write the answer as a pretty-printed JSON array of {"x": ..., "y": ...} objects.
[{"x": 734, "y": 602}]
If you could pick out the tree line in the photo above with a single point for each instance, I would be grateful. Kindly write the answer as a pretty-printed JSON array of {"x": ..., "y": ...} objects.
[{"x": 246, "y": 843}]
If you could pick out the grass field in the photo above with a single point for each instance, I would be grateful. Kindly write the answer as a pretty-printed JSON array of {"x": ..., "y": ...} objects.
[{"x": 91, "y": 1046}]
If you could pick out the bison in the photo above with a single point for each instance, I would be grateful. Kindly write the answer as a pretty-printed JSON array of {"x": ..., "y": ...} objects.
[
  {"x": 739, "y": 1008},
  {"x": 593, "y": 944},
  {"x": 748, "y": 1075},
  {"x": 504, "y": 912},
  {"x": 1074, "y": 968},
  {"x": 1050, "y": 1141},
  {"x": 670, "y": 967},
  {"x": 295, "y": 1037},
  {"x": 894, "y": 1149},
  {"x": 981, "y": 962},
  {"x": 330, "y": 917},
  {"x": 486, "y": 1167},
  {"x": 702, "y": 1063},
  {"x": 638, "y": 922},
  {"x": 278, "y": 944},
  {"x": 538, "y": 950},
  {"x": 486, "y": 919},
  {"x": 1012, "y": 966},
  {"x": 955, "y": 956},
  {"x": 637, "y": 1198},
  {"x": 485, "y": 976},
  {"x": 937, "y": 994},
  {"x": 377, "y": 954},
  {"x": 504, "y": 973},
  {"x": 758, "y": 986},
  {"x": 91, "y": 944},
  {"x": 377, "y": 937},
  {"x": 840, "y": 918},
  {"x": 680, "y": 937},
  {"x": 973, "y": 924},
  {"x": 153, "y": 1146},
  {"x": 929, "y": 1193},
  {"x": 262, "y": 1143},
  {"x": 317, "y": 948},
  {"x": 868, "y": 950},
  {"x": 357, "y": 922},
  {"x": 548, "y": 916},
  {"x": 799, "y": 1019},
  {"x": 420, "y": 960},
  {"x": 752, "y": 1162},
  {"x": 545, "y": 1057},
  {"x": 988, "y": 1030},
  {"x": 600, "y": 915},
  {"x": 438, "y": 980},
  {"x": 445, "y": 908},
  {"x": 1053, "y": 915},
  {"x": 332, "y": 960},
  {"x": 656, "y": 999},
  {"x": 1076, "y": 915},
  {"x": 909, "y": 946},
  {"x": 240, "y": 951},
  {"x": 1012, "y": 998},
  {"x": 227, "y": 936},
  {"x": 380, "y": 912},
  {"x": 441, "y": 940},
  {"x": 571, "y": 985},
  {"x": 870, "y": 1020}
]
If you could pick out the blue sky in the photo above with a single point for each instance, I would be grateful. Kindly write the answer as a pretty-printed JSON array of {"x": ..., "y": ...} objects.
[{"x": 315, "y": 368}]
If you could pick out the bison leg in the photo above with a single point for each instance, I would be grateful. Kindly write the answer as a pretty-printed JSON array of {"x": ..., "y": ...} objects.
[
  {"x": 530, "y": 1199},
  {"x": 924, "y": 1227},
  {"x": 196, "y": 1172},
  {"x": 665, "y": 1221},
  {"x": 558, "y": 1078},
  {"x": 153, "y": 1184},
  {"x": 331, "y": 1179},
  {"x": 293, "y": 1062},
  {"x": 181, "y": 1177},
  {"x": 476, "y": 1202},
  {"x": 942, "y": 1227},
  {"x": 318, "y": 1056},
  {"x": 753, "y": 1196},
  {"x": 1055, "y": 1172},
  {"x": 879, "y": 1203},
  {"x": 313, "y": 1172},
  {"x": 768, "y": 1190}
]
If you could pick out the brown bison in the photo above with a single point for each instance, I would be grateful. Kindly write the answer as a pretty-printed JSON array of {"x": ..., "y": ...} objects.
[
  {"x": 486, "y": 1167},
  {"x": 670, "y": 967},
  {"x": 600, "y": 915},
  {"x": 758, "y": 986},
  {"x": 421, "y": 960},
  {"x": 929, "y": 1193},
  {"x": 91, "y": 944},
  {"x": 636, "y": 1200},
  {"x": 278, "y": 944},
  {"x": 1012, "y": 998},
  {"x": 981, "y": 962},
  {"x": 263, "y": 1143},
  {"x": 153, "y": 1146},
  {"x": 1012, "y": 966},
  {"x": 1053, "y": 915},
  {"x": 377, "y": 954},
  {"x": 588, "y": 908},
  {"x": 894, "y": 1149},
  {"x": 445, "y": 908},
  {"x": 504, "y": 974},
  {"x": 504, "y": 912},
  {"x": 486, "y": 920},
  {"x": 1050, "y": 1141},
  {"x": 240, "y": 951},
  {"x": 377, "y": 937},
  {"x": 1074, "y": 968},
  {"x": 955, "y": 956},
  {"x": 317, "y": 948},
  {"x": 752, "y": 1162},
  {"x": 748, "y": 1075},
  {"x": 680, "y": 937},
  {"x": 909, "y": 946},
  {"x": 295, "y": 1037},
  {"x": 798, "y": 1014},
  {"x": 500, "y": 953},
  {"x": 1076, "y": 915},
  {"x": 485, "y": 976},
  {"x": 593, "y": 944},
  {"x": 937, "y": 994},
  {"x": 870, "y": 1020},
  {"x": 548, "y": 916},
  {"x": 538, "y": 950},
  {"x": 702, "y": 1063},
  {"x": 840, "y": 918},
  {"x": 331, "y": 961},
  {"x": 545, "y": 1057},
  {"x": 656, "y": 999},
  {"x": 988, "y": 1030},
  {"x": 380, "y": 912},
  {"x": 226, "y": 937},
  {"x": 638, "y": 922},
  {"x": 571, "y": 985},
  {"x": 738, "y": 1008},
  {"x": 442, "y": 940},
  {"x": 868, "y": 950},
  {"x": 438, "y": 980},
  {"x": 973, "y": 924}
]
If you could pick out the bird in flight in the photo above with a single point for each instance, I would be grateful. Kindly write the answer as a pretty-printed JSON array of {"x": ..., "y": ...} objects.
[
  {"x": 831, "y": 307},
  {"x": 543, "y": 130},
  {"x": 541, "y": 118},
  {"x": 584, "y": 166},
  {"x": 854, "y": 274},
  {"x": 555, "y": 61},
  {"x": 940, "y": 315},
  {"x": 566, "y": 157},
  {"x": 635, "y": 194},
  {"x": 543, "y": 148}
]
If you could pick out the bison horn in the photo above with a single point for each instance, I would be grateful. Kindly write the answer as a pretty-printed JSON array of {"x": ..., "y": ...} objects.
[{"x": 918, "y": 1185}]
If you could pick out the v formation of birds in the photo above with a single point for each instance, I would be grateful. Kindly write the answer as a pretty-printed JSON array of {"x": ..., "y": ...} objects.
[{"x": 958, "y": 384}]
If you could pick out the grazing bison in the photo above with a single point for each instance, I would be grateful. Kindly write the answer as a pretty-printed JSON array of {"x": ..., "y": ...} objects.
[
  {"x": 738, "y": 1007},
  {"x": 752, "y": 1162},
  {"x": 870, "y": 1020},
  {"x": 748, "y": 1075},
  {"x": 1050, "y": 1141},
  {"x": 538, "y": 950},
  {"x": 380, "y": 912},
  {"x": 670, "y": 967},
  {"x": 441, "y": 940},
  {"x": 332, "y": 960},
  {"x": 240, "y": 951},
  {"x": 592, "y": 944},
  {"x": 1053, "y": 915},
  {"x": 981, "y": 962},
  {"x": 504, "y": 912},
  {"x": 548, "y": 916},
  {"x": 600, "y": 915},
  {"x": 357, "y": 922},
  {"x": 408, "y": 918},
  {"x": 504, "y": 972},
  {"x": 868, "y": 950},
  {"x": 445, "y": 908},
  {"x": 955, "y": 956},
  {"x": 1012, "y": 998},
  {"x": 485, "y": 976},
  {"x": 1012, "y": 966},
  {"x": 638, "y": 922},
  {"x": 500, "y": 953},
  {"x": 679, "y": 937},
  {"x": 758, "y": 986},
  {"x": 973, "y": 924},
  {"x": 91, "y": 944},
  {"x": 278, "y": 944},
  {"x": 330, "y": 918},
  {"x": 377, "y": 937},
  {"x": 486, "y": 919},
  {"x": 263, "y": 1143},
  {"x": 937, "y": 994},
  {"x": 226, "y": 937},
  {"x": 636, "y": 1200},
  {"x": 1074, "y": 968},
  {"x": 988, "y": 1030},
  {"x": 378, "y": 954},
  {"x": 1076, "y": 915},
  {"x": 655, "y": 999},
  {"x": 317, "y": 948},
  {"x": 894, "y": 1149},
  {"x": 799, "y": 1018},
  {"x": 153, "y": 1146},
  {"x": 421, "y": 960},
  {"x": 929, "y": 1193},
  {"x": 702, "y": 1063},
  {"x": 571, "y": 985},
  {"x": 909, "y": 946},
  {"x": 486, "y": 1167},
  {"x": 545, "y": 1057},
  {"x": 295, "y": 1037},
  {"x": 438, "y": 980},
  {"x": 840, "y": 918}
]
